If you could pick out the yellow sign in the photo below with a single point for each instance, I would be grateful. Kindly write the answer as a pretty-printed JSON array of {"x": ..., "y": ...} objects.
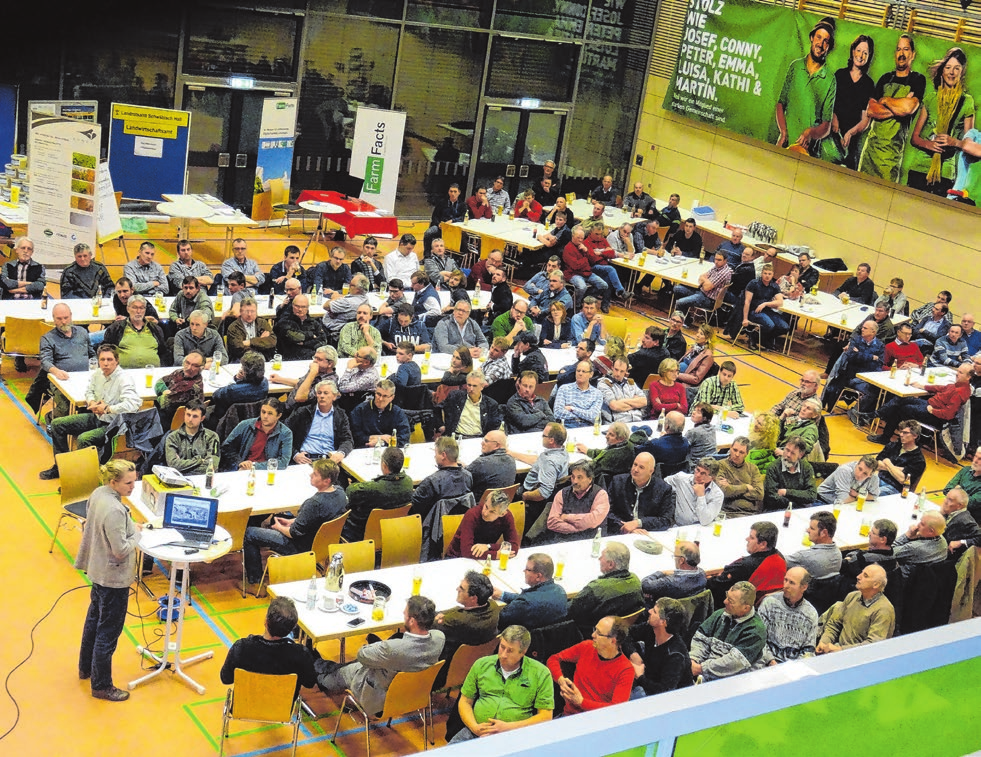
[{"x": 150, "y": 122}]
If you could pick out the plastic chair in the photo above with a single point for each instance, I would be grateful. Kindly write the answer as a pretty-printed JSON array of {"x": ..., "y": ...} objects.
[
  {"x": 401, "y": 541},
  {"x": 451, "y": 524},
  {"x": 517, "y": 510},
  {"x": 22, "y": 337},
  {"x": 464, "y": 658},
  {"x": 372, "y": 529},
  {"x": 282, "y": 569},
  {"x": 235, "y": 522},
  {"x": 328, "y": 533},
  {"x": 407, "y": 693},
  {"x": 262, "y": 698},
  {"x": 708, "y": 314},
  {"x": 359, "y": 556},
  {"x": 615, "y": 327},
  {"x": 79, "y": 478}
]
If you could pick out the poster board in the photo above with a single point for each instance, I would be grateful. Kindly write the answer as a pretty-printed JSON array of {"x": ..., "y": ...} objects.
[
  {"x": 376, "y": 155},
  {"x": 148, "y": 150},
  {"x": 107, "y": 223},
  {"x": 274, "y": 157},
  {"x": 64, "y": 161}
]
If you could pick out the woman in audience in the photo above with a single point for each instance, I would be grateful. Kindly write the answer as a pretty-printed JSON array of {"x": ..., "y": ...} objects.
[
  {"x": 790, "y": 285},
  {"x": 557, "y": 329},
  {"x": 698, "y": 361},
  {"x": 764, "y": 432},
  {"x": 666, "y": 394},
  {"x": 457, "y": 286},
  {"x": 483, "y": 527}
]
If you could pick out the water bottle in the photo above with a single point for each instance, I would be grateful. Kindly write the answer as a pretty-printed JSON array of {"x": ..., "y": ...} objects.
[
  {"x": 312, "y": 593},
  {"x": 597, "y": 544},
  {"x": 209, "y": 476},
  {"x": 376, "y": 455}
]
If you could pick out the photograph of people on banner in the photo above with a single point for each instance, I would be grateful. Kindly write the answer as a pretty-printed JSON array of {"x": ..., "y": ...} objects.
[{"x": 884, "y": 103}]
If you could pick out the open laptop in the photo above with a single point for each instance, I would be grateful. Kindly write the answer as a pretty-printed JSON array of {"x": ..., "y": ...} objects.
[{"x": 194, "y": 518}]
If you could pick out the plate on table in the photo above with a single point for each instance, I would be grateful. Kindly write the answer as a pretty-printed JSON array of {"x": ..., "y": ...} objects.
[
  {"x": 649, "y": 547},
  {"x": 349, "y": 608},
  {"x": 365, "y": 591},
  {"x": 439, "y": 361}
]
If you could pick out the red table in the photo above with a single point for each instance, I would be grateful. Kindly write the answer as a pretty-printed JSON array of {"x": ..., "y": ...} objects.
[{"x": 357, "y": 217}]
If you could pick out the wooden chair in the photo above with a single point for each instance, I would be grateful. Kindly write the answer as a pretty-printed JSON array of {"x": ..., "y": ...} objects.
[
  {"x": 282, "y": 569},
  {"x": 372, "y": 529},
  {"x": 408, "y": 693},
  {"x": 235, "y": 522},
  {"x": 79, "y": 478},
  {"x": 517, "y": 510},
  {"x": 22, "y": 337},
  {"x": 359, "y": 556},
  {"x": 633, "y": 617},
  {"x": 178, "y": 420},
  {"x": 544, "y": 389},
  {"x": 451, "y": 524},
  {"x": 262, "y": 698},
  {"x": 708, "y": 314},
  {"x": 509, "y": 490},
  {"x": 650, "y": 380},
  {"x": 464, "y": 658},
  {"x": 401, "y": 541},
  {"x": 328, "y": 533}
]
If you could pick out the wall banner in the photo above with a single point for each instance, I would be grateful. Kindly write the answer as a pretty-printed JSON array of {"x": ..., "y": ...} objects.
[
  {"x": 870, "y": 99},
  {"x": 377, "y": 154},
  {"x": 274, "y": 159},
  {"x": 64, "y": 162}
]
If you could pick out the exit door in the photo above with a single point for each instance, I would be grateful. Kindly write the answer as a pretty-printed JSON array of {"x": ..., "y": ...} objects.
[
  {"x": 515, "y": 143},
  {"x": 223, "y": 142}
]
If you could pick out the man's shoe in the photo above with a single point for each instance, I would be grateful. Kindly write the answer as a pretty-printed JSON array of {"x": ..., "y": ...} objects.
[
  {"x": 49, "y": 474},
  {"x": 605, "y": 309},
  {"x": 877, "y": 438},
  {"x": 20, "y": 365},
  {"x": 84, "y": 675},
  {"x": 112, "y": 694}
]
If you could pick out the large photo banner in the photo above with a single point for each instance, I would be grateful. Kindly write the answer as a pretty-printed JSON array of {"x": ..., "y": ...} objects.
[
  {"x": 274, "y": 157},
  {"x": 885, "y": 104}
]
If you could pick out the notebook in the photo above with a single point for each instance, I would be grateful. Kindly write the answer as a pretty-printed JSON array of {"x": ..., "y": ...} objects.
[{"x": 194, "y": 518}]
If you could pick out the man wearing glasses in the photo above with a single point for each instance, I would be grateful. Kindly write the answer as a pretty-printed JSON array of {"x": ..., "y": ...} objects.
[
  {"x": 375, "y": 419},
  {"x": 292, "y": 287},
  {"x": 769, "y": 256},
  {"x": 239, "y": 262},
  {"x": 544, "y": 602},
  {"x": 513, "y": 322},
  {"x": 297, "y": 334},
  {"x": 603, "y": 674},
  {"x": 789, "y": 406}
]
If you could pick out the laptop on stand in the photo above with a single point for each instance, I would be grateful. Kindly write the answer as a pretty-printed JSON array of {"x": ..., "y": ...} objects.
[{"x": 194, "y": 518}]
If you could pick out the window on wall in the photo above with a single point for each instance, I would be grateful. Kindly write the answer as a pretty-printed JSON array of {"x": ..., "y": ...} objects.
[
  {"x": 600, "y": 141},
  {"x": 566, "y": 19},
  {"x": 531, "y": 68},
  {"x": 349, "y": 62},
  {"x": 439, "y": 88},
  {"x": 134, "y": 61},
  {"x": 390, "y": 9},
  {"x": 249, "y": 43},
  {"x": 629, "y": 23},
  {"x": 472, "y": 13}
]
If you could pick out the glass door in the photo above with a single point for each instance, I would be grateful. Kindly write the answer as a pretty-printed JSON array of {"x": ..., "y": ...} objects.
[
  {"x": 515, "y": 143},
  {"x": 223, "y": 142}
]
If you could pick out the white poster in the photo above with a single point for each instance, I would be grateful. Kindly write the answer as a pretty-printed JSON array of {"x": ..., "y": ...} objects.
[
  {"x": 64, "y": 160},
  {"x": 107, "y": 223},
  {"x": 377, "y": 154}
]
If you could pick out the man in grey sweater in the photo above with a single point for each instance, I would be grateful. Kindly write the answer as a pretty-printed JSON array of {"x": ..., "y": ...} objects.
[
  {"x": 823, "y": 558},
  {"x": 64, "y": 349},
  {"x": 922, "y": 544}
]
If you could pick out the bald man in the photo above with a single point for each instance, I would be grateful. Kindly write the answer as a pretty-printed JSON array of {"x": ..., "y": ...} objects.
[
  {"x": 865, "y": 615},
  {"x": 640, "y": 501},
  {"x": 495, "y": 468},
  {"x": 922, "y": 544}
]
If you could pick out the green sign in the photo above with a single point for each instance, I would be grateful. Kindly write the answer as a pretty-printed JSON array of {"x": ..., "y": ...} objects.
[{"x": 373, "y": 171}]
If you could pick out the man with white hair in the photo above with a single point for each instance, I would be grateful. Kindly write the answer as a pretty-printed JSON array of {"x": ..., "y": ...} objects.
[
  {"x": 615, "y": 592},
  {"x": 64, "y": 349},
  {"x": 199, "y": 337},
  {"x": 471, "y": 413},
  {"x": 22, "y": 279},
  {"x": 961, "y": 531}
]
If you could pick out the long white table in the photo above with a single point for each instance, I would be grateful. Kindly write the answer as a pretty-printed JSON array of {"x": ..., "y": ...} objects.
[
  {"x": 440, "y": 578},
  {"x": 422, "y": 461}
]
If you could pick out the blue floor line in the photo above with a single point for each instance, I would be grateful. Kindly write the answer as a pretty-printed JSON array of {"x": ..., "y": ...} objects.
[{"x": 20, "y": 406}]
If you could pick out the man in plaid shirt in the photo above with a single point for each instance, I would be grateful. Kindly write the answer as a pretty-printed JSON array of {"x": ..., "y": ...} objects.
[
  {"x": 789, "y": 406},
  {"x": 710, "y": 286},
  {"x": 721, "y": 390}
]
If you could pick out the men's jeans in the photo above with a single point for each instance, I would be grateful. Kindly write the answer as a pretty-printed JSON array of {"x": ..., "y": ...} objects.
[
  {"x": 689, "y": 297},
  {"x": 772, "y": 324},
  {"x": 464, "y": 734},
  {"x": 609, "y": 274},
  {"x": 255, "y": 540},
  {"x": 100, "y": 634},
  {"x": 581, "y": 284},
  {"x": 905, "y": 408},
  {"x": 87, "y": 427}
]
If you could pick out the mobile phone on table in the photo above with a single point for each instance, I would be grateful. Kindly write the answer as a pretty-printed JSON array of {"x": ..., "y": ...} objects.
[{"x": 355, "y": 622}]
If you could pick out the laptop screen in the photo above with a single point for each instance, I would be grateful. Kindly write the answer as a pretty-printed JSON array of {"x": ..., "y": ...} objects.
[{"x": 187, "y": 511}]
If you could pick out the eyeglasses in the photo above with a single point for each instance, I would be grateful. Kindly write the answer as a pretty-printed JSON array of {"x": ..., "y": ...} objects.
[{"x": 600, "y": 633}]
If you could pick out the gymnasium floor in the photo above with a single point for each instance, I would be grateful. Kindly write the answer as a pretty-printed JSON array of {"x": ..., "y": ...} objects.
[{"x": 54, "y": 712}]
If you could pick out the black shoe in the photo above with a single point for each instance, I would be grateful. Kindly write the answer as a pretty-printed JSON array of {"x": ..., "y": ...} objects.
[
  {"x": 605, "y": 308},
  {"x": 84, "y": 675},
  {"x": 877, "y": 438},
  {"x": 49, "y": 474},
  {"x": 20, "y": 365},
  {"x": 112, "y": 694}
]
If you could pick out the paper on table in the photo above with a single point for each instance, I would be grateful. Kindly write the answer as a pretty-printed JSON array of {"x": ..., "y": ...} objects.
[{"x": 158, "y": 537}]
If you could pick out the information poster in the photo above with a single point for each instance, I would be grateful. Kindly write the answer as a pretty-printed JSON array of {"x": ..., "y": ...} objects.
[
  {"x": 148, "y": 150},
  {"x": 274, "y": 160},
  {"x": 83, "y": 110},
  {"x": 377, "y": 154},
  {"x": 888, "y": 105},
  {"x": 107, "y": 223},
  {"x": 64, "y": 159}
]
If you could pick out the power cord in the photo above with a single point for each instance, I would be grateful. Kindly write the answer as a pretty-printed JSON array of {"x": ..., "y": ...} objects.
[{"x": 6, "y": 682}]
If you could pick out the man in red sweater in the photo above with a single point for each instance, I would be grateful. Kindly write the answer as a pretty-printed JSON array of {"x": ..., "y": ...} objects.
[
  {"x": 904, "y": 352},
  {"x": 603, "y": 675},
  {"x": 940, "y": 407},
  {"x": 579, "y": 273},
  {"x": 599, "y": 252},
  {"x": 477, "y": 204}
]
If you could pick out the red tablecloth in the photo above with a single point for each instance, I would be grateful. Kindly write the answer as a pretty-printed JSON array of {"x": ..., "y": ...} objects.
[{"x": 358, "y": 217}]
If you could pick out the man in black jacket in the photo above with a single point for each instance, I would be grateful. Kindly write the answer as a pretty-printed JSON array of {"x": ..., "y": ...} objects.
[
  {"x": 471, "y": 413},
  {"x": 526, "y": 411},
  {"x": 646, "y": 361},
  {"x": 338, "y": 443},
  {"x": 527, "y": 356},
  {"x": 639, "y": 500}
]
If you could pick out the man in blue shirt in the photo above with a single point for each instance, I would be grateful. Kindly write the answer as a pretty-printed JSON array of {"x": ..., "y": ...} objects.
[
  {"x": 376, "y": 419},
  {"x": 733, "y": 249},
  {"x": 544, "y": 602},
  {"x": 762, "y": 298},
  {"x": 321, "y": 431}
]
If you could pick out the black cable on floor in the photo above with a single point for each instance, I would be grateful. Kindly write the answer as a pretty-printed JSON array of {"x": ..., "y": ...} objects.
[{"x": 6, "y": 681}]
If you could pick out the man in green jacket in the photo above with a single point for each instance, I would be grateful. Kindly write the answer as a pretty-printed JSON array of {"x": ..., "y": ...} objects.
[
  {"x": 616, "y": 592},
  {"x": 393, "y": 488},
  {"x": 616, "y": 457}
]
